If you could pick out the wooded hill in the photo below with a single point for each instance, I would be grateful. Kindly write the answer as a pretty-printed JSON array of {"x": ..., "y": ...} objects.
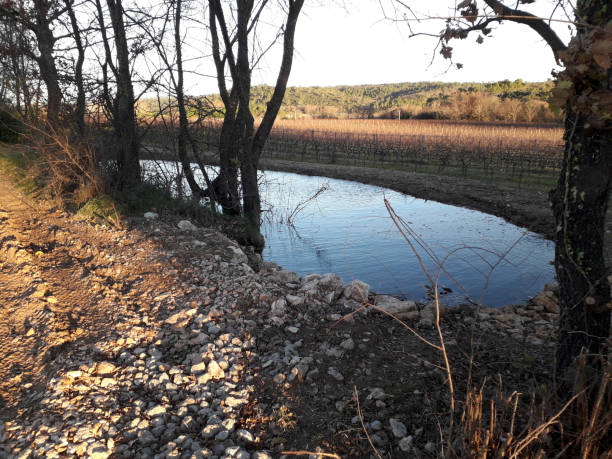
[
  {"x": 512, "y": 101},
  {"x": 384, "y": 100}
]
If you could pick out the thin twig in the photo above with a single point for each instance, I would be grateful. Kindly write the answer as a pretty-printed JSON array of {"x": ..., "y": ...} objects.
[
  {"x": 310, "y": 453},
  {"x": 363, "y": 423}
]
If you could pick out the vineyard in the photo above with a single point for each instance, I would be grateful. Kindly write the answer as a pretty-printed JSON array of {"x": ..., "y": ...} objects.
[{"x": 524, "y": 155}]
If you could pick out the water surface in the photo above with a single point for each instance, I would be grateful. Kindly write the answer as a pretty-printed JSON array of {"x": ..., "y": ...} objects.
[{"x": 347, "y": 229}]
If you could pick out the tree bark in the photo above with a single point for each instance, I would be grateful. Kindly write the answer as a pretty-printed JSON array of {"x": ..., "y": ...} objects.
[
  {"x": 580, "y": 203},
  {"x": 183, "y": 133},
  {"x": 226, "y": 184},
  {"x": 124, "y": 115},
  {"x": 79, "y": 109},
  {"x": 46, "y": 62}
]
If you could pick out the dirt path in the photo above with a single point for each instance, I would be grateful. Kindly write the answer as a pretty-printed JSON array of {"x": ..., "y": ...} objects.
[{"x": 64, "y": 285}]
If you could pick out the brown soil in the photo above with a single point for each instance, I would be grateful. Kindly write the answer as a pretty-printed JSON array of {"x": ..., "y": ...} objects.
[
  {"x": 320, "y": 413},
  {"x": 64, "y": 283}
]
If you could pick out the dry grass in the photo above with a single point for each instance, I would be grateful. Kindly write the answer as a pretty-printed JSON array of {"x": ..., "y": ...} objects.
[
  {"x": 462, "y": 135},
  {"x": 550, "y": 133}
]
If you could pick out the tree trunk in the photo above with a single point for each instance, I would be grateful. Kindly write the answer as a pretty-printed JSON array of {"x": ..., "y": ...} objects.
[
  {"x": 252, "y": 204},
  {"x": 579, "y": 206},
  {"x": 227, "y": 184},
  {"x": 183, "y": 133},
  {"x": 46, "y": 62},
  {"x": 255, "y": 144},
  {"x": 238, "y": 141},
  {"x": 580, "y": 202},
  {"x": 79, "y": 108},
  {"x": 124, "y": 116}
]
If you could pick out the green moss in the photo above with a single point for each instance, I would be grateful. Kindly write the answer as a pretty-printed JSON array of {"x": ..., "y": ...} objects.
[
  {"x": 101, "y": 209},
  {"x": 21, "y": 166}
]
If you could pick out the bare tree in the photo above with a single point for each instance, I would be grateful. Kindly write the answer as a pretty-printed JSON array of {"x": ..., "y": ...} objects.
[
  {"x": 79, "y": 108},
  {"x": 39, "y": 17},
  {"x": 241, "y": 145},
  {"x": 18, "y": 69},
  {"x": 123, "y": 114},
  {"x": 155, "y": 27}
]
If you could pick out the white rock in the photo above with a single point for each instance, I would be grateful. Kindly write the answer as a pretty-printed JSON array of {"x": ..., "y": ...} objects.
[
  {"x": 285, "y": 276},
  {"x": 546, "y": 302},
  {"x": 105, "y": 368},
  {"x": 210, "y": 430},
  {"x": 295, "y": 300},
  {"x": 279, "y": 308},
  {"x": 398, "y": 428},
  {"x": 357, "y": 290},
  {"x": 244, "y": 436},
  {"x": 108, "y": 382},
  {"x": 229, "y": 424},
  {"x": 334, "y": 373},
  {"x": 198, "y": 368},
  {"x": 145, "y": 437},
  {"x": 238, "y": 256},
  {"x": 277, "y": 321},
  {"x": 426, "y": 321},
  {"x": 376, "y": 425},
  {"x": 376, "y": 393},
  {"x": 98, "y": 450},
  {"x": 234, "y": 402},
  {"x": 394, "y": 306},
  {"x": 236, "y": 452},
  {"x": 156, "y": 411},
  {"x": 186, "y": 225},
  {"x": 405, "y": 444},
  {"x": 151, "y": 215},
  {"x": 327, "y": 287},
  {"x": 215, "y": 371},
  {"x": 261, "y": 455}
]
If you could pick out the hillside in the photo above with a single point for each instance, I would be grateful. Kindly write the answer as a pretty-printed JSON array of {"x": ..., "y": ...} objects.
[
  {"x": 505, "y": 100},
  {"x": 377, "y": 100}
]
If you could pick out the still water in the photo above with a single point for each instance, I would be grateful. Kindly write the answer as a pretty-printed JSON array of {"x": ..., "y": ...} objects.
[{"x": 347, "y": 229}]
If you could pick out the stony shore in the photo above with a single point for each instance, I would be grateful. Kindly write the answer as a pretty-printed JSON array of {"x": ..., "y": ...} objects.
[{"x": 208, "y": 351}]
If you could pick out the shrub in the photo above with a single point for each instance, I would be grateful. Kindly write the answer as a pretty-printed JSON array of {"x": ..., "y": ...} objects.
[{"x": 10, "y": 126}]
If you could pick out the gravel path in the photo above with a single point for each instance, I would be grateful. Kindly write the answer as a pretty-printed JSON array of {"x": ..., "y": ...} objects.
[{"x": 96, "y": 353}]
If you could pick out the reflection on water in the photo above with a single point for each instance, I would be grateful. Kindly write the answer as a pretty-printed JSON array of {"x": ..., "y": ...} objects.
[{"x": 347, "y": 230}]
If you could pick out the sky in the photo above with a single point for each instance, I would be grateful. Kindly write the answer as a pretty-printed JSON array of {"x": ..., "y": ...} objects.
[{"x": 350, "y": 42}]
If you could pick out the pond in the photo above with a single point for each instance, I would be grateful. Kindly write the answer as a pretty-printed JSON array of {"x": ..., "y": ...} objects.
[{"x": 320, "y": 225}]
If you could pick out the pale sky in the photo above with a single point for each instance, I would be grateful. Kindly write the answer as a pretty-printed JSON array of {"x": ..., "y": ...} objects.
[{"x": 351, "y": 43}]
